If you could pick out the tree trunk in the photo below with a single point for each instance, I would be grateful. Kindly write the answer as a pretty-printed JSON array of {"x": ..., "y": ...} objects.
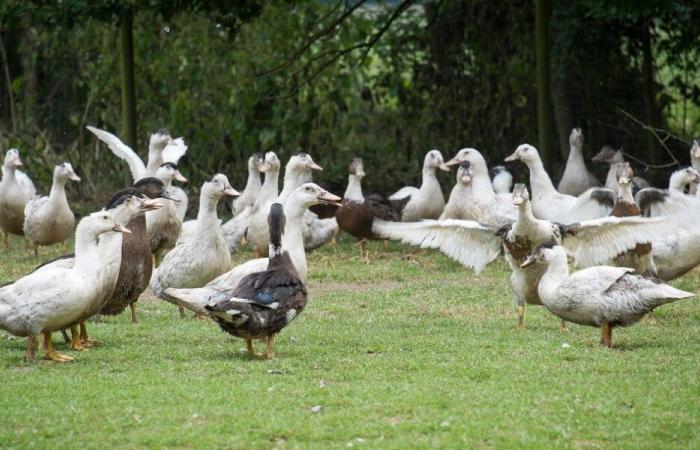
[
  {"x": 28, "y": 56},
  {"x": 543, "y": 10},
  {"x": 128, "y": 88},
  {"x": 649, "y": 90},
  {"x": 562, "y": 115}
]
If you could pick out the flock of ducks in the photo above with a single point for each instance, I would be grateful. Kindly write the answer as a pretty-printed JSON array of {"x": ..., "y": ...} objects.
[{"x": 627, "y": 237}]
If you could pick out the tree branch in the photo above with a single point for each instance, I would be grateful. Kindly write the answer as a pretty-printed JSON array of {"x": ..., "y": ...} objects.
[{"x": 661, "y": 136}]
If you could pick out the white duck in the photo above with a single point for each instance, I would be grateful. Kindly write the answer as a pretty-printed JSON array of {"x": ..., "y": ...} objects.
[
  {"x": 164, "y": 225},
  {"x": 49, "y": 220},
  {"x": 15, "y": 191},
  {"x": 458, "y": 204},
  {"x": 427, "y": 201},
  {"x": 158, "y": 141},
  {"x": 475, "y": 245},
  {"x": 483, "y": 204},
  {"x": 172, "y": 153},
  {"x": 48, "y": 300},
  {"x": 252, "y": 185},
  {"x": 501, "y": 179},
  {"x": 197, "y": 261},
  {"x": 601, "y": 296},
  {"x": 549, "y": 204},
  {"x": 222, "y": 287},
  {"x": 614, "y": 158},
  {"x": 269, "y": 192},
  {"x": 667, "y": 202},
  {"x": 576, "y": 178}
]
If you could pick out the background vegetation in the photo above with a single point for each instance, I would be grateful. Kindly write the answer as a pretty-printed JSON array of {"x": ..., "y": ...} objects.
[{"x": 384, "y": 80}]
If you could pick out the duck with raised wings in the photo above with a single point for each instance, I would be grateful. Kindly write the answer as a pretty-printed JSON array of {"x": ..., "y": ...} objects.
[
  {"x": 475, "y": 245},
  {"x": 196, "y": 261},
  {"x": 426, "y": 202},
  {"x": 221, "y": 288},
  {"x": 16, "y": 189},
  {"x": 576, "y": 178},
  {"x": 549, "y": 204},
  {"x": 600, "y": 296},
  {"x": 265, "y": 302},
  {"x": 48, "y": 219},
  {"x": 48, "y": 300}
]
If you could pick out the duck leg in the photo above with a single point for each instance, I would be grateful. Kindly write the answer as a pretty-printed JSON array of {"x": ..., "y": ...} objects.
[
  {"x": 562, "y": 326},
  {"x": 606, "y": 335},
  {"x": 75, "y": 339},
  {"x": 31, "y": 347},
  {"x": 84, "y": 336},
  {"x": 64, "y": 247},
  {"x": 249, "y": 347},
  {"x": 51, "y": 354},
  {"x": 66, "y": 338},
  {"x": 363, "y": 250},
  {"x": 270, "y": 347},
  {"x": 182, "y": 312},
  {"x": 521, "y": 315},
  {"x": 132, "y": 306},
  {"x": 36, "y": 250}
]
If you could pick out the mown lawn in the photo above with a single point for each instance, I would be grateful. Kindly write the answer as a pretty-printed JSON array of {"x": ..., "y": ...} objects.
[{"x": 410, "y": 351}]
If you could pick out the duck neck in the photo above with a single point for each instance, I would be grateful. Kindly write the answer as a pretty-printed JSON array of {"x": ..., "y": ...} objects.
[
  {"x": 539, "y": 178},
  {"x": 611, "y": 178},
  {"x": 292, "y": 180},
  {"x": 677, "y": 183},
  {"x": 87, "y": 256},
  {"x": 207, "y": 217},
  {"x": 253, "y": 183},
  {"x": 155, "y": 160},
  {"x": 624, "y": 193},
  {"x": 526, "y": 221},
  {"x": 575, "y": 158},
  {"x": 292, "y": 239},
  {"x": 481, "y": 183},
  {"x": 57, "y": 195},
  {"x": 9, "y": 174},
  {"x": 270, "y": 186},
  {"x": 555, "y": 274},
  {"x": 354, "y": 189}
]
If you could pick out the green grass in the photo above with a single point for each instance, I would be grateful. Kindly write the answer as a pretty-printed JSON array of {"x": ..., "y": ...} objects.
[{"x": 410, "y": 351}]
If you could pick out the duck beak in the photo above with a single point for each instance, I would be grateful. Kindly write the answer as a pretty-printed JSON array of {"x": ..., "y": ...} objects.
[
  {"x": 178, "y": 177},
  {"x": 529, "y": 261},
  {"x": 166, "y": 195},
  {"x": 444, "y": 167},
  {"x": 74, "y": 177},
  {"x": 315, "y": 166},
  {"x": 360, "y": 173},
  {"x": 231, "y": 192},
  {"x": 264, "y": 166},
  {"x": 453, "y": 162},
  {"x": 518, "y": 200},
  {"x": 17, "y": 162},
  {"x": 121, "y": 229},
  {"x": 148, "y": 204},
  {"x": 623, "y": 180},
  {"x": 513, "y": 157},
  {"x": 598, "y": 158},
  {"x": 327, "y": 198}
]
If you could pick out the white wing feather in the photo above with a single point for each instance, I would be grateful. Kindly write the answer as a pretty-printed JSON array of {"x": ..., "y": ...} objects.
[
  {"x": 25, "y": 183},
  {"x": 404, "y": 192},
  {"x": 121, "y": 150},
  {"x": 587, "y": 208},
  {"x": 472, "y": 244},
  {"x": 175, "y": 150},
  {"x": 595, "y": 242}
]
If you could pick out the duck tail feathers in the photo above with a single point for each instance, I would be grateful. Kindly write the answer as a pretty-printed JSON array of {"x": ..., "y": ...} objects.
[{"x": 195, "y": 300}]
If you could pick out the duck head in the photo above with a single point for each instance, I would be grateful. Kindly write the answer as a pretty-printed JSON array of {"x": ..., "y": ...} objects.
[
  {"x": 302, "y": 161},
  {"x": 357, "y": 168},
  {"x": 433, "y": 160},
  {"x": 469, "y": 154},
  {"x": 544, "y": 254},
  {"x": 681, "y": 178},
  {"x": 254, "y": 162},
  {"x": 152, "y": 187},
  {"x": 160, "y": 139},
  {"x": 520, "y": 194},
  {"x": 624, "y": 173},
  {"x": 128, "y": 204},
  {"x": 695, "y": 150},
  {"x": 464, "y": 172},
  {"x": 576, "y": 138},
  {"x": 608, "y": 155},
  {"x": 102, "y": 222},
  {"x": 312, "y": 194},
  {"x": 218, "y": 186},
  {"x": 270, "y": 162},
  {"x": 167, "y": 172},
  {"x": 12, "y": 160},
  {"x": 525, "y": 153},
  {"x": 64, "y": 172}
]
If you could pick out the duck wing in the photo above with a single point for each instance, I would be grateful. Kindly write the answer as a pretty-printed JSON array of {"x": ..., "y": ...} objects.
[
  {"x": 658, "y": 202},
  {"x": 175, "y": 150},
  {"x": 121, "y": 150},
  {"x": 592, "y": 204},
  {"x": 25, "y": 183},
  {"x": 385, "y": 209},
  {"x": 472, "y": 244},
  {"x": 406, "y": 191},
  {"x": 595, "y": 242}
]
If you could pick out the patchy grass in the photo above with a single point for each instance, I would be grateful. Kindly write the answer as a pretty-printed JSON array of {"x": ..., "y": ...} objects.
[{"x": 411, "y": 350}]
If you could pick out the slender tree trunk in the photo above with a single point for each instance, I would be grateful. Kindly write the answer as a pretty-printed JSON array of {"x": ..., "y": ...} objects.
[
  {"x": 128, "y": 88},
  {"x": 28, "y": 57},
  {"x": 562, "y": 115},
  {"x": 649, "y": 90},
  {"x": 8, "y": 85},
  {"x": 543, "y": 10}
]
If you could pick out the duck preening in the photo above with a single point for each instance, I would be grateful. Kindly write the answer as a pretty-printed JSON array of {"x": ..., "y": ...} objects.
[
  {"x": 501, "y": 179},
  {"x": 54, "y": 298},
  {"x": 264, "y": 302},
  {"x": 222, "y": 287},
  {"x": 16, "y": 189},
  {"x": 475, "y": 245},
  {"x": 48, "y": 219},
  {"x": 601, "y": 296},
  {"x": 427, "y": 201},
  {"x": 576, "y": 178},
  {"x": 201, "y": 258}
]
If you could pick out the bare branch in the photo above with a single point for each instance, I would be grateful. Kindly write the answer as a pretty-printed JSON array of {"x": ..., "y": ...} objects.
[{"x": 661, "y": 136}]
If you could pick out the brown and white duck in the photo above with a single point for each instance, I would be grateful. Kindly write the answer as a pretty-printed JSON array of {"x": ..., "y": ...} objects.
[
  {"x": 14, "y": 195},
  {"x": 265, "y": 302},
  {"x": 48, "y": 219}
]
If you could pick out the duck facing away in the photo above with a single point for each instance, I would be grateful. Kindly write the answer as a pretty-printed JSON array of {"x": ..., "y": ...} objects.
[
  {"x": 14, "y": 196},
  {"x": 222, "y": 287},
  {"x": 49, "y": 220},
  {"x": 252, "y": 185},
  {"x": 49, "y": 300},
  {"x": 426, "y": 202},
  {"x": 264, "y": 303},
  {"x": 600, "y": 296},
  {"x": 501, "y": 179},
  {"x": 201, "y": 258},
  {"x": 576, "y": 178}
]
